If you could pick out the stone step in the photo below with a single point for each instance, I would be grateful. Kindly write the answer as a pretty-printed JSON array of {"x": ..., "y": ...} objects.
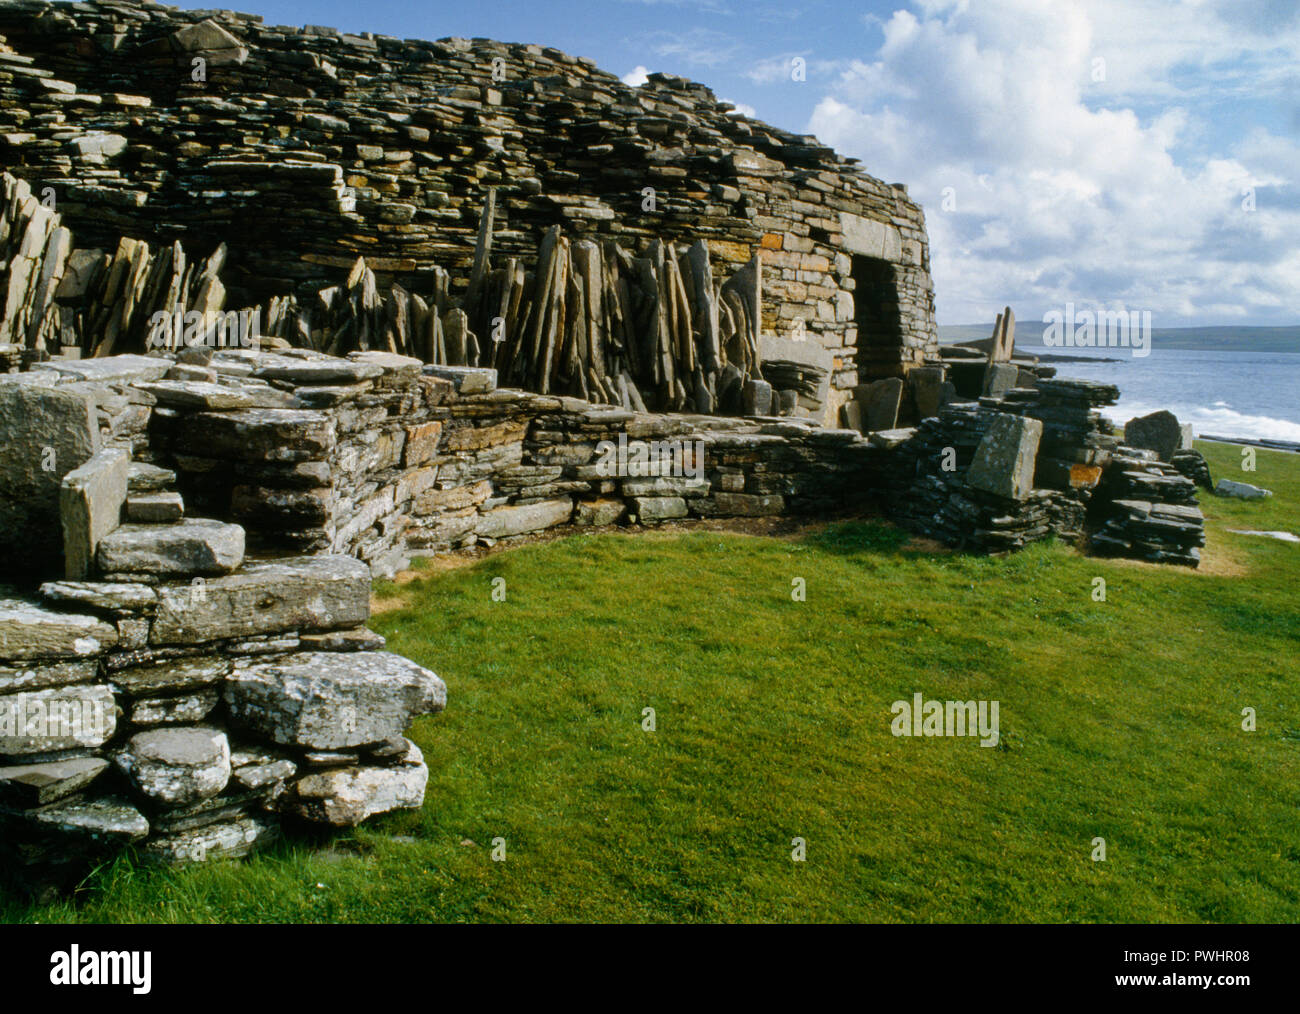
[
  {"x": 154, "y": 508},
  {"x": 194, "y": 546}
]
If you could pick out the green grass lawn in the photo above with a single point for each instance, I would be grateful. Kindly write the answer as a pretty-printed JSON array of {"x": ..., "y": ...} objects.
[{"x": 1119, "y": 719}]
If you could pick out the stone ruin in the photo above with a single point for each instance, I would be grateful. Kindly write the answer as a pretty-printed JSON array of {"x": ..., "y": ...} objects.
[
  {"x": 371, "y": 192},
  {"x": 159, "y": 685},
  {"x": 190, "y": 526}
]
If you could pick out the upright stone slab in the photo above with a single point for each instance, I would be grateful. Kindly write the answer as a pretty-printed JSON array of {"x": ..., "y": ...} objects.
[
  {"x": 926, "y": 383},
  {"x": 756, "y": 398},
  {"x": 1160, "y": 432},
  {"x": 1004, "y": 460},
  {"x": 999, "y": 378},
  {"x": 90, "y": 506},
  {"x": 881, "y": 401},
  {"x": 48, "y": 432}
]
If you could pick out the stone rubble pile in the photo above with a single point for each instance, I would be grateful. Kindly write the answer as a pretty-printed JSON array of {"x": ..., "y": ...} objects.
[
  {"x": 1149, "y": 511},
  {"x": 1004, "y": 471},
  {"x": 968, "y": 481}
]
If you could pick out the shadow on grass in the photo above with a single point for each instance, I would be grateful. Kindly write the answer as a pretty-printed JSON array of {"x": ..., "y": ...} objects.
[{"x": 851, "y": 538}]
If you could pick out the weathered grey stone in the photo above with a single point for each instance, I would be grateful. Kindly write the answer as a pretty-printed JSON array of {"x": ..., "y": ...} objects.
[
  {"x": 889, "y": 439},
  {"x": 145, "y": 478},
  {"x": 180, "y": 709},
  {"x": 318, "y": 372},
  {"x": 109, "y": 820},
  {"x": 60, "y": 718},
  {"x": 192, "y": 546},
  {"x": 328, "y": 701},
  {"x": 228, "y": 839},
  {"x": 666, "y": 485},
  {"x": 177, "y": 767},
  {"x": 154, "y": 508},
  {"x": 256, "y": 434},
  {"x": 597, "y": 513},
  {"x": 881, "y": 401},
  {"x": 28, "y": 785},
  {"x": 506, "y": 521},
  {"x": 1004, "y": 460},
  {"x": 926, "y": 383},
  {"x": 344, "y": 797},
  {"x": 749, "y": 505},
  {"x": 651, "y": 509},
  {"x": 356, "y": 639},
  {"x": 999, "y": 378},
  {"x": 389, "y": 362},
  {"x": 1241, "y": 490},
  {"x": 301, "y": 593},
  {"x": 90, "y": 506},
  {"x": 330, "y": 758},
  {"x": 265, "y": 774},
  {"x": 127, "y": 369},
  {"x": 206, "y": 37},
  {"x": 170, "y": 676},
  {"x": 47, "y": 433},
  {"x": 97, "y": 146},
  {"x": 30, "y": 631},
  {"x": 117, "y": 596},
  {"x": 197, "y": 394},
  {"x": 14, "y": 679},
  {"x": 1160, "y": 432},
  {"x": 756, "y": 397},
  {"x": 466, "y": 379}
]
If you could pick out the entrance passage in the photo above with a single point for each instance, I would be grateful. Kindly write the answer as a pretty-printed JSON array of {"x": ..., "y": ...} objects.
[{"x": 875, "y": 301}]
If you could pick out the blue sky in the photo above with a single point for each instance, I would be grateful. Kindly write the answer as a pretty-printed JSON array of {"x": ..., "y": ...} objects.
[{"x": 1137, "y": 154}]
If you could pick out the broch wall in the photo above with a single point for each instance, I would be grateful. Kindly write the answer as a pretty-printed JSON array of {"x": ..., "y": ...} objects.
[{"x": 302, "y": 149}]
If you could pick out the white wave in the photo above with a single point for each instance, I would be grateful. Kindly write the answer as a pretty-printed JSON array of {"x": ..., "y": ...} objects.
[{"x": 1216, "y": 419}]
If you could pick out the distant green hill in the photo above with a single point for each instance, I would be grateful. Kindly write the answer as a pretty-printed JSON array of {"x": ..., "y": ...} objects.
[{"x": 1202, "y": 339}]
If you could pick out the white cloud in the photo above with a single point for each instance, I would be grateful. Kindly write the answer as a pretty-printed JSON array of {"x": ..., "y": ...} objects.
[
  {"x": 1060, "y": 187},
  {"x": 740, "y": 109},
  {"x": 636, "y": 77},
  {"x": 701, "y": 47}
]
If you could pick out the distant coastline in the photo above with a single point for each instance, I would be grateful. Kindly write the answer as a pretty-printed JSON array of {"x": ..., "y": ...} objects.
[{"x": 1198, "y": 339}]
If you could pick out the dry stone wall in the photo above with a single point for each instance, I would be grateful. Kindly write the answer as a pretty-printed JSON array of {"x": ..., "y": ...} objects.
[
  {"x": 167, "y": 689},
  {"x": 303, "y": 149}
]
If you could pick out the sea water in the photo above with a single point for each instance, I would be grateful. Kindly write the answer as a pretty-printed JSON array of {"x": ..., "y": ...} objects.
[{"x": 1248, "y": 395}]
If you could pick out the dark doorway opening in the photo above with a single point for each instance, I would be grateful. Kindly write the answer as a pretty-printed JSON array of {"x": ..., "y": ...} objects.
[{"x": 875, "y": 302}]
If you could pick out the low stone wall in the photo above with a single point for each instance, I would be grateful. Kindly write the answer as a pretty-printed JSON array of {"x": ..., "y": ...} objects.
[{"x": 394, "y": 458}]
